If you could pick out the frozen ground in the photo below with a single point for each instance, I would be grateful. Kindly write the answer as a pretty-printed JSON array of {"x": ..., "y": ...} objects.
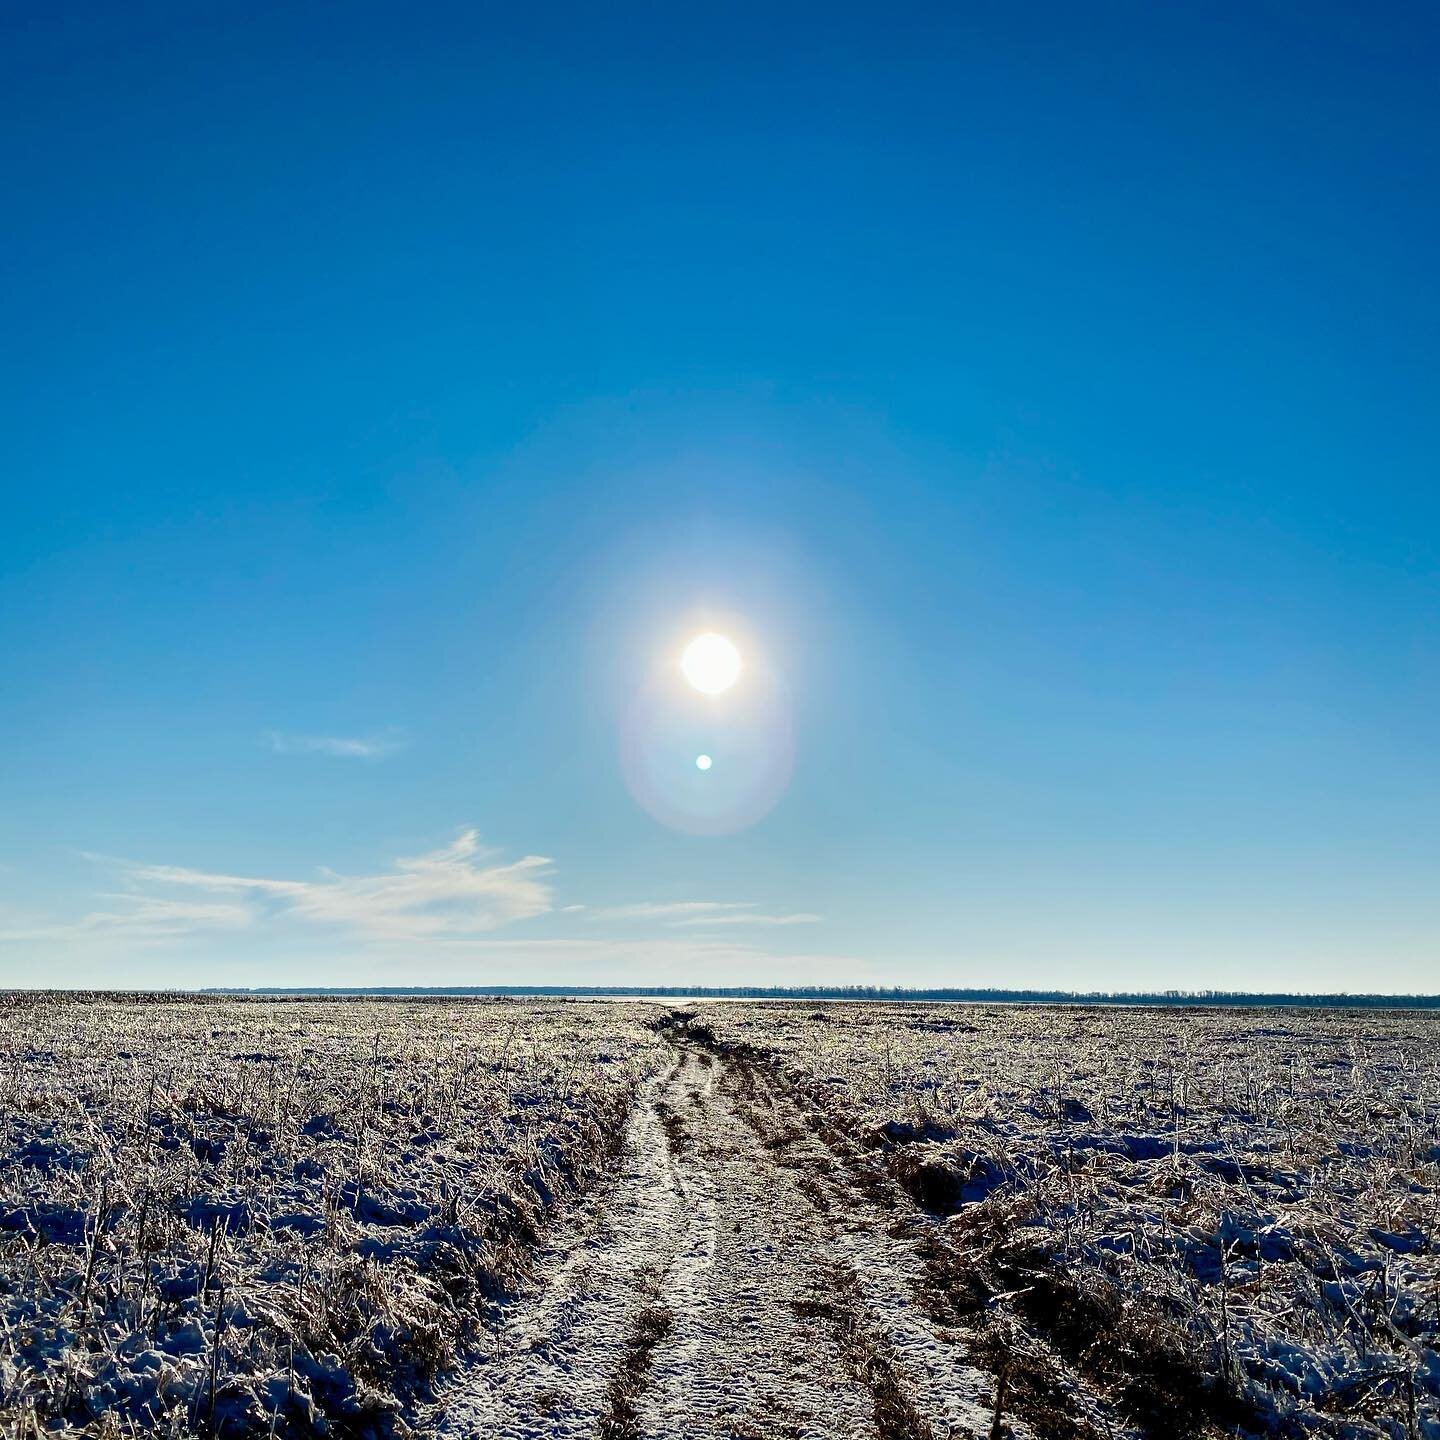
[
  {"x": 281, "y": 1218},
  {"x": 1218, "y": 1217},
  {"x": 541, "y": 1219},
  {"x": 735, "y": 1280}
]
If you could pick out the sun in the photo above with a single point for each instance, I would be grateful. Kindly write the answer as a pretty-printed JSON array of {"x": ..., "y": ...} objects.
[{"x": 711, "y": 663}]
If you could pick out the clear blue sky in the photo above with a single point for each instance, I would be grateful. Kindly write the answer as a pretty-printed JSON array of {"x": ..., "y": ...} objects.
[{"x": 1047, "y": 395}]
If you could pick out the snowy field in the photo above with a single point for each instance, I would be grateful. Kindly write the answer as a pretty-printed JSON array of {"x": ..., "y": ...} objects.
[
  {"x": 287, "y": 1215},
  {"x": 1256, "y": 1191},
  {"x": 588, "y": 1218}
]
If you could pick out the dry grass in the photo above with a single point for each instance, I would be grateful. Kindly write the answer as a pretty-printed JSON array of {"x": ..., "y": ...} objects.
[
  {"x": 1219, "y": 1217},
  {"x": 280, "y": 1217}
]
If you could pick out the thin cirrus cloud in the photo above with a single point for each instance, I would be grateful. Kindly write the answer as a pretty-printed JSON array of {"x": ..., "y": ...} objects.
[
  {"x": 358, "y": 747},
  {"x": 447, "y": 893},
  {"x": 137, "y": 917},
  {"x": 684, "y": 913},
  {"x": 446, "y": 899}
]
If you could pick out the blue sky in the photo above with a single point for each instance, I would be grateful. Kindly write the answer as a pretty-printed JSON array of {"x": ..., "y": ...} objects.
[{"x": 1045, "y": 397}]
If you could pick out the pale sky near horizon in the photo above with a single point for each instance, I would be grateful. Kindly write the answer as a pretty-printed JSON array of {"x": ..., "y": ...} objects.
[{"x": 1042, "y": 398}]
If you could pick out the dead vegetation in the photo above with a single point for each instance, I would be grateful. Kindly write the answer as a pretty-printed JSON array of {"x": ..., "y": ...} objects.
[
  {"x": 1221, "y": 1220},
  {"x": 287, "y": 1217},
  {"x": 280, "y": 1218}
]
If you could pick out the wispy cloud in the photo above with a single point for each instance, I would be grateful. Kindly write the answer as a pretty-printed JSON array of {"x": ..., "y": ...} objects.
[
  {"x": 677, "y": 913},
  {"x": 431, "y": 910},
  {"x": 359, "y": 747},
  {"x": 137, "y": 917},
  {"x": 662, "y": 909},
  {"x": 751, "y": 917},
  {"x": 445, "y": 893}
]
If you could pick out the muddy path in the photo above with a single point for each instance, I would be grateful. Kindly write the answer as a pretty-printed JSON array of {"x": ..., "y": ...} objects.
[{"x": 737, "y": 1277}]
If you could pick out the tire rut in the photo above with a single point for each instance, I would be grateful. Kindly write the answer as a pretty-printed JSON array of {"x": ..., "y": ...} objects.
[{"x": 731, "y": 1280}]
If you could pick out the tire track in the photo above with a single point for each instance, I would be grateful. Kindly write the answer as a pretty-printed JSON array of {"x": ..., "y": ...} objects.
[
  {"x": 556, "y": 1367},
  {"x": 733, "y": 1281}
]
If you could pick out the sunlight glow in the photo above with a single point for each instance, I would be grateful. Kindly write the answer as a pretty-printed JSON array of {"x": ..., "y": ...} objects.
[
  {"x": 711, "y": 663},
  {"x": 702, "y": 762}
]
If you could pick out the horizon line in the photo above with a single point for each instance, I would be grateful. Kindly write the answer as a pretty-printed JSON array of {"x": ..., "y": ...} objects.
[{"x": 1169, "y": 998}]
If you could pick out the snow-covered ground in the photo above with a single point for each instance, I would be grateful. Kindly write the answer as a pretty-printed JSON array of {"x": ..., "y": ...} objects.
[
  {"x": 734, "y": 1280},
  {"x": 534, "y": 1219},
  {"x": 1264, "y": 1184},
  {"x": 281, "y": 1217}
]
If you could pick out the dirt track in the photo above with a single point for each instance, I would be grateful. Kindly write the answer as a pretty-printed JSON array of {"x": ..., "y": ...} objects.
[{"x": 734, "y": 1279}]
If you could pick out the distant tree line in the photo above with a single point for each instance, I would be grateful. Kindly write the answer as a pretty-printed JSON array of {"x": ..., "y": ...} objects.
[{"x": 1243, "y": 998}]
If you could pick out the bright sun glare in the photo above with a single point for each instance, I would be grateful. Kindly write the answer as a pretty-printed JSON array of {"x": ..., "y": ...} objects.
[{"x": 711, "y": 663}]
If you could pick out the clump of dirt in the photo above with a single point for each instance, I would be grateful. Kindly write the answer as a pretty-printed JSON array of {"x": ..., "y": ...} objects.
[
  {"x": 867, "y": 1355},
  {"x": 621, "y": 1420}
]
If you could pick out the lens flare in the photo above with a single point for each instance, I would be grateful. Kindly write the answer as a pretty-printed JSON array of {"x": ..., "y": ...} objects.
[
  {"x": 714, "y": 754},
  {"x": 708, "y": 764}
]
